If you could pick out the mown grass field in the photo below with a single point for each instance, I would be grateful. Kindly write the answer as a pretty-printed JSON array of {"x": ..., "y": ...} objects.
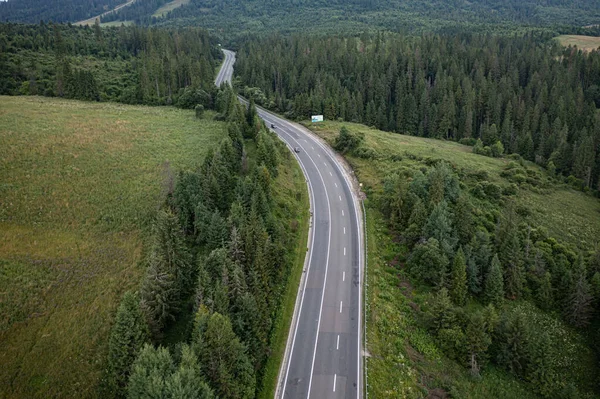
[
  {"x": 585, "y": 43},
  {"x": 79, "y": 183},
  {"x": 169, "y": 7},
  {"x": 405, "y": 361}
]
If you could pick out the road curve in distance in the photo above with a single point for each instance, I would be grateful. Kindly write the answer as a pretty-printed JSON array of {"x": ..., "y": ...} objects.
[{"x": 323, "y": 356}]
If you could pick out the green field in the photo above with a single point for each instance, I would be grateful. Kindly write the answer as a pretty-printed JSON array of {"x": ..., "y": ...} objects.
[
  {"x": 78, "y": 188},
  {"x": 585, "y": 43},
  {"x": 405, "y": 360},
  {"x": 169, "y": 7}
]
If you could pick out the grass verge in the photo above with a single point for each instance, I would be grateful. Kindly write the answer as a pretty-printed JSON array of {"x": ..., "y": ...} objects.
[{"x": 291, "y": 194}]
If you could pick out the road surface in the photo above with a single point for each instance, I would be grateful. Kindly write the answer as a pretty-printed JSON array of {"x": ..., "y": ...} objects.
[
  {"x": 324, "y": 351},
  {"x": 226, "y": 71}
]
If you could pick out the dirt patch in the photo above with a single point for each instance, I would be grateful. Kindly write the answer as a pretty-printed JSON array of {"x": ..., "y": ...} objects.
[
  {"x": 413, "y": 354},
  {"x": 437, "y": 393}
]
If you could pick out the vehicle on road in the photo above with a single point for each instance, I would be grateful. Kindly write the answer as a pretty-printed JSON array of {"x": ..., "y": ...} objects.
[
  {"x": 273, "y": 126},
  {"x": 296, "y": 149}
]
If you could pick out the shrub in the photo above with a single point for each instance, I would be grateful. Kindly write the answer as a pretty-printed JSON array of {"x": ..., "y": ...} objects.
[
  {"x": 192, "y": 96},
  {"x": 347, "y": 142},
  {"x": 470, "y": 141},
  {"x": 199, "y": 111},
  {"x": 497, "y": 149}
]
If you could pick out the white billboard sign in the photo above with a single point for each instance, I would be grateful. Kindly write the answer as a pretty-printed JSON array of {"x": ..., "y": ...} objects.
[{"x": 317, "y": 118}]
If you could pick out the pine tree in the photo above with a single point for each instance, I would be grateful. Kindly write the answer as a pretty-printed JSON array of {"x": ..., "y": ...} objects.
[
  {"x": 513, "y": 269},
  {"x": 159, "y": 297},
  {"x": 439, "y": 226},
  {"x": 223, "y": 358},
  {"x": 580, "y": 301},
  {"x": 186, "y": 382},
  {"x": 544, "y": 296},
  {"x": 441, "y": 313},
  {"x": 149, "y": 373},
  {"x": 479, "y": 340},
  {"x": 458, "y": 284},
  {"x": 513, "y": 343},
  {"x": 127, "y": 337},
  {"x": 494, "y": 284}
]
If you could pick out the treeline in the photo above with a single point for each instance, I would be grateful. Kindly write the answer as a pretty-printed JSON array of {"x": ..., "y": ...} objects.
[
  {"x": 537, "y": 99},
  {"x": 215, "y": 275},
  {"x": 140, "y": 12},
  {"x": 127, "y": 64},
  {"x": 499, "y": 285},
  {"x": 34, "y": 11}
]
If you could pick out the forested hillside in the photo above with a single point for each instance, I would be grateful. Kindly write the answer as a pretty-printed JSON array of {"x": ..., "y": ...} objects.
[
  {"x": 526, "y": 92},
  {"x": 234, "y": 18},
  {"x": 34, "y": 11},
  {"x": 133, "y": 65}
]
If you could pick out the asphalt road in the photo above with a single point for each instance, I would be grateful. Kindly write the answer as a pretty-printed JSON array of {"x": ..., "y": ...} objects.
[
  {"x": 226, "y": 70},
  {"x": 324, "y": 352}
]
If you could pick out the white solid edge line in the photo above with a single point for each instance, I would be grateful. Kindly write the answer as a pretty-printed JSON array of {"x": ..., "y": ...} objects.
[
  {"x": 324, "y": 280},
  {"x": 360, "y": 258},
  {"x": 307, "y": 272},
  {"x": 309, "y": 134}
]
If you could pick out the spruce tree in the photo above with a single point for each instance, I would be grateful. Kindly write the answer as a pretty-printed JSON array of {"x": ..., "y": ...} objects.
[
  {"x": 513, "y": 269},
  {"x": 479, "y": 340},
  {"x": 544, "y": 295},
  {"x": 223, "y": 358},
  {"x": 186, "y": 382},
  {"x": 458, "y": 283},
  {"x": 580, "y": 301},
  {"x": 150, "y": 372},
  {"x": 127, "y": 337},
  {"x": 494, "y": 284}
]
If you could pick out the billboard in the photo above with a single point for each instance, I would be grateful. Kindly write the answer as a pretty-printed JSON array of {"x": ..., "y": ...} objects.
[{"x": 317, "y": 118}]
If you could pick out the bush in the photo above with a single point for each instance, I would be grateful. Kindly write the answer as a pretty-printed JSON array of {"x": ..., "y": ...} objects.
[
  {"x": 497, "y": 149},
  {"x": 365, "y": 153},
  {"x": 199, "y": 111},
  {"x": 193, "y": 96},
  {"x": 347, "y": 142},
  {"x": 470, "y": 141}
]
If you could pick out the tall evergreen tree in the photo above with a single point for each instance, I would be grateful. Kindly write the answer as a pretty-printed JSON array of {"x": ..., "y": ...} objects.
[
  {"x": 127, "y": 337},
  {"x": 580, "y": 301},
  {"x": 494, "y": 284},
  {"x": 458, "y": 283}
]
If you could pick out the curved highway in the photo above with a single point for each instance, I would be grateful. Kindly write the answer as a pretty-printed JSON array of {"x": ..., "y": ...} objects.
[{"x": 323, "y": 356}]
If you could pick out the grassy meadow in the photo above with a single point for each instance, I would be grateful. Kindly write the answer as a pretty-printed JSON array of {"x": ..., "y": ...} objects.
[
  {"x": 79, "y": 183},
  {"x": 584, "y": 43},
  {"x": 163, "y": 10},
  {"x": 405, "y": 360}
]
